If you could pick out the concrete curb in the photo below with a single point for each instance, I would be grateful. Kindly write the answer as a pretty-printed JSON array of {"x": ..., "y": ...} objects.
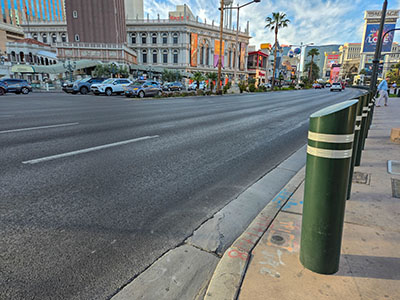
[
  {"x": 184, "y": 272},
  {"x": 228, "y": 276}
]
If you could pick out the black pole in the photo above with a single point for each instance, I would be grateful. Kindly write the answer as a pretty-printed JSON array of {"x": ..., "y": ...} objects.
[{"x": 378, "y": 49}]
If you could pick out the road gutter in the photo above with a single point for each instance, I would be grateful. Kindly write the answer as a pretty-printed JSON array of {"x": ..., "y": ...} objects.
[{"x": 185, "y": 271}]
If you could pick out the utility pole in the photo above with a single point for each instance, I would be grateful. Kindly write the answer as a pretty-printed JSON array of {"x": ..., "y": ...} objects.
[
  {"x": 378, "y": 49},
  {"x": 221, "y": 28}
]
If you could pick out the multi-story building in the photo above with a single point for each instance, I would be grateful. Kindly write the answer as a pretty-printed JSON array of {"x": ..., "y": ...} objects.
[
  {"x": 349, "y": 60},
  {"x": 14, "y": 13},
  {"x": 187, "y": 45},
  {"x": 319, "y": 60},
  {"x": 96, "y": 21},
  {"x": 257, "y": 65},
  {"x": 134, "y": 9}
]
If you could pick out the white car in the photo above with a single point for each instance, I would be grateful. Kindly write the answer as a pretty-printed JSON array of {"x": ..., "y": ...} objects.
[
  {"x": 111, "y": 86},
  {"x": 336, "y": 86}
]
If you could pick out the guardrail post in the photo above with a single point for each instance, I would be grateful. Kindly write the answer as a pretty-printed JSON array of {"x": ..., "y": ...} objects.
[
  {"x": 363, "y": 129},
  {"x": 330, "y": 141},
  {"x": 355, "y": 144}
]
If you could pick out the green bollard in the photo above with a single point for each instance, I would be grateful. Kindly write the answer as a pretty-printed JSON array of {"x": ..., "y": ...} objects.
[
  {"x": 355, "y": 145},
  {"x": 370, "y": 104},
  {"x": 361, "y": 133},
  {"x": 363, "y": 127},
  {"x": 367, "y": 120},
  {"x": 330, "y": 141}
]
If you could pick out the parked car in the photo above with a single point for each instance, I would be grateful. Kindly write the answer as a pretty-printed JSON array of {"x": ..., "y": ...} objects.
[
  {"x": 328, "y": 85},
  {"x": 110, "y": 86},
  {"x": 143, "y": 88},
  {"x": 317, "y": 86},
  {"x": 193, "y": 86},
  {"x": 83, "y": 86},
  {"x": 266, "y": 85},
  {"x": 68, "y": 86},
  {"x": 336, "y": 86},
  {"x": 18, "y": 86},
  {"x": 175, "y": 86},
  {"x": 3, "y": 88}
]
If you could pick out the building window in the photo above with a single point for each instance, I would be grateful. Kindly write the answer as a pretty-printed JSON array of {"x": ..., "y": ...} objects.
[
  {"x": 230, "y": 58},
  {"x": 164, "y": 38},
  {"x": 144, "y": 38},
  {"x": 75, "y": 14},
  {"x": 154, "y": 38},
  {"x": 144, "y": 56},
  {"x": 202, "y": 55},
  {"x": 175, "y": 53},
  {"x": 165, "y": 56},
  {"x": 207, "y": 55},
  {"x": 44, "y": 38},
  {"x": 77, "y": 38},
  {"x": 154, "y": 56},
  {"x": 54, "y": 38},
  {"x": 64, "y": 38},
  {"x": 175, "y": 38},
  {"x": 133, "y": 38},
  {"x": 35, "y": 36}
]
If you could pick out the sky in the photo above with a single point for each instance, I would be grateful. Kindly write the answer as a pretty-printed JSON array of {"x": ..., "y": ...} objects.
[{"x": 321, "y": 22}]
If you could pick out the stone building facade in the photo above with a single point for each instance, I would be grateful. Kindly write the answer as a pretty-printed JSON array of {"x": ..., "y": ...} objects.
[{"x": 169, "y": 43}]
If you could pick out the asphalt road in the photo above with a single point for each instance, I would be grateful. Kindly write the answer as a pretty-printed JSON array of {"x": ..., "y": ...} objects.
[{"x": 94, "y": 189}]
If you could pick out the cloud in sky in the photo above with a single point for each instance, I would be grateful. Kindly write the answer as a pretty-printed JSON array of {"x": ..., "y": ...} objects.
[{"x": 317, "y": 21}]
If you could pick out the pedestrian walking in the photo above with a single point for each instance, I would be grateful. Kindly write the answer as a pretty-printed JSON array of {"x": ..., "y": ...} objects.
[
  {"x": 394, "y": 87},
  {"x": 383, "y": 92}
]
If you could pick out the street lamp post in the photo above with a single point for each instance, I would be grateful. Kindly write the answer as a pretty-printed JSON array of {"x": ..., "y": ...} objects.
[
  {"x": 70, "y": 67},
  {"x": 238, "y": 7},
  {"x": 221, "y": 28}
]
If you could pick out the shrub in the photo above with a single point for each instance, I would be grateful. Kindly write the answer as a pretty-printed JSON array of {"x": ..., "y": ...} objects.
[
  {"x": 252, "y": 87},
  {"x": 242, "y": 86}
]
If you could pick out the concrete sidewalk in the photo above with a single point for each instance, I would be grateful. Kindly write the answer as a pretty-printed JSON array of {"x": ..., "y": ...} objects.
[{"x": 370, "y": 256}]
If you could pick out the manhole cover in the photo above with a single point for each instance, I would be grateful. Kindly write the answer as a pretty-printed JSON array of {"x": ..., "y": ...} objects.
[
  {"x": 277, "y": 239},
  {"x": 363, "y": 178},
  {"x": 394, "y": 167},
  {"x": 396, "y": 188}
]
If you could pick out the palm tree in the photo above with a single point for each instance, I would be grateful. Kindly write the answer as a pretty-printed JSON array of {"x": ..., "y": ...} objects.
[
  {"x": 198, "y": 77},
  {"x": 313, "y": 52},
  {"x": 212, "y": 77},
  {"x": 277, "y": 21}
]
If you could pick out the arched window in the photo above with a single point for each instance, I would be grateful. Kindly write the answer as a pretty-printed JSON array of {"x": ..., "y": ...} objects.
[
  {"x": 230, "y": 58},
  {"x": 44, "y": 38},
  {"x": 144, "y": 56},
  {"x": 13, "y": 56},
  {"x": 35, "y": 36},
  {"x": 207, "y": 55},
  {"x": 64, "y": 38},
  {"x": 175, "y": 56},
  {"x": 41, "y": 61},
  {"x": 175, "y": 38},
  {"x": 165, "y": 38},
  {"x": 21, "y": 57},
  {"x": 54, "y": 38},
  {"x": 144, "y": 38},
  {"x": 133, "y": 38},
  {"x": 165, "y": 56},
  {"x": 47, "y": 61},
  {"x": 154, "y": 38},
  {"x": 202, "y": 55},
  {"x": 155, "y": 56}
]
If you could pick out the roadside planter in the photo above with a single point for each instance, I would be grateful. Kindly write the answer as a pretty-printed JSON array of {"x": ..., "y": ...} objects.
[{"x": 329, "y": 151}]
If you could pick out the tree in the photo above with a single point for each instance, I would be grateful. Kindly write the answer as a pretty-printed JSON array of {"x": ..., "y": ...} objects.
[
  {"x": 198, "y": 77},
  {"x": 212, "y": 77},
  {"x": 277, "y": 21},
  {"x": 313, "y": 69},
  {"x": 313, "y": 52},
  {"x": 394, "y": 74}
]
